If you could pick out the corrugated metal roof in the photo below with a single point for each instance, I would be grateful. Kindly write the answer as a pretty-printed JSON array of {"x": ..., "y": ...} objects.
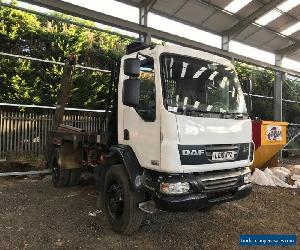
[{"x": 209, "y": 15}]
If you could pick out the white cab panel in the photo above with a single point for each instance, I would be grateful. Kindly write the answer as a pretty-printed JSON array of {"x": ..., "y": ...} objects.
[
  {"x": 170, "y": 160},
  {"x": 186, "y": 130},
  {"x": 144, "y": 138},
  {"x": 205, "y": 131}
]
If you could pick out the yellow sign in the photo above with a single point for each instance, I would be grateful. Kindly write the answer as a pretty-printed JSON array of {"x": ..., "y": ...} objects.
[{"x": 273, "y": 133}]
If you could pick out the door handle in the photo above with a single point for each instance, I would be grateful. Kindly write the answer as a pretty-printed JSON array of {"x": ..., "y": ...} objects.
[{"x": 126, "y": 134}]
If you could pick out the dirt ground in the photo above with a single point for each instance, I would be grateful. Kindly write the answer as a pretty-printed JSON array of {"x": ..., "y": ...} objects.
[{"x": 35, "y": 215}]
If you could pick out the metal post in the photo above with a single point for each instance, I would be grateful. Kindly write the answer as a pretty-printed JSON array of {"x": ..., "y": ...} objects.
[
  {"x": 225, "y": 42},
  {"x": 279, "y": 78},
  {"x": 143, "y": 20}
]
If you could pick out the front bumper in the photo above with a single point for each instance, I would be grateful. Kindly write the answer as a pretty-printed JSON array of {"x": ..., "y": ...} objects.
[
  {"x": 191, "y": 202},
  {"x": 206, "y": 189}
]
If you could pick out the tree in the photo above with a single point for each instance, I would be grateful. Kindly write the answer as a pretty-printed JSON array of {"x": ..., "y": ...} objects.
[
  {"x": 263, "y": 82},
  {"x": 31, "y": 82},
  {"x": 291, "y": 91}
]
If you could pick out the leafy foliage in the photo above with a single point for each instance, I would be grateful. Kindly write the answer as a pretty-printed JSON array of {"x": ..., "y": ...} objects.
[
  {"x": 291, "y": 91},
  {"x": 31, "y": 82},
  {"x": 263, "y": 81}
]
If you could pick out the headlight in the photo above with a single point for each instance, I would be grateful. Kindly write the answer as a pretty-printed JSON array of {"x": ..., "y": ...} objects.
[
  {"x": 247, "y": 178},
  {"x": 174, "y": 188}
]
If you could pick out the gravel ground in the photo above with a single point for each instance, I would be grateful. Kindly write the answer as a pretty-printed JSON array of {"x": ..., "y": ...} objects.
[{"x": 34, "y": 215}]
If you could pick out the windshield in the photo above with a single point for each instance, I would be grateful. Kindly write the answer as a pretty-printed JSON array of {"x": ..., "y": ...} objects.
[{"x": 196, "y": 85}]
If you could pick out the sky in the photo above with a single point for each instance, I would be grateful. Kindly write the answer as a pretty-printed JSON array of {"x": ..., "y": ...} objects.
[{"x": 117, "y": 9}]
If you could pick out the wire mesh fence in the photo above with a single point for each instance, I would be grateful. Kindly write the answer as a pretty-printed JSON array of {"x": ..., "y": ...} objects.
[{"x": 293, "y": 139}]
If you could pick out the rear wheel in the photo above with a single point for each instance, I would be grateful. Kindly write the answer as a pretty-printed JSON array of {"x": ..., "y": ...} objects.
[
  {"x": 121, "y": 202},
  {"x": 60, "y": 176}
]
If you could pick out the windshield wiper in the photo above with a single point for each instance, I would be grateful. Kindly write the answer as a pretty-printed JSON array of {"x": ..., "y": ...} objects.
[
  {"x": 190, "y": 110},
  {"x": 200, "y": 112},
  {"x": 226, "y": 115},
  {"x": 236, "y": 115}
]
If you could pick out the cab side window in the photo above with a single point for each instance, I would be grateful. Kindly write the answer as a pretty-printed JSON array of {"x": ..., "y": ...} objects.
[{"x": 147, "y": 106}]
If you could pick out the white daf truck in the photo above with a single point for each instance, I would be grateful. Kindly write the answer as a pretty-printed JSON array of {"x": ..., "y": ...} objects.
[{"x": 177, "y": 137}]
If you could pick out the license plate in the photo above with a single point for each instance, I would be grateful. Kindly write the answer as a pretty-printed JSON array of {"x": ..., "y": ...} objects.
[{"x": 223, "y": 156}]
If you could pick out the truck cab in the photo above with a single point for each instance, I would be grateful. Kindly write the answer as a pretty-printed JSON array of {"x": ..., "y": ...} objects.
[{"x": 191, "y": 115}]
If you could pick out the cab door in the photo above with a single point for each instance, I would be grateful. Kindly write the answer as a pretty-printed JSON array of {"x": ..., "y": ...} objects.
[{"x": 141, "y": 124}]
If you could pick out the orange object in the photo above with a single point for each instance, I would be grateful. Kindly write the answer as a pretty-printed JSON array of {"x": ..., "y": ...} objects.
[{"x": 269, "y": 138}]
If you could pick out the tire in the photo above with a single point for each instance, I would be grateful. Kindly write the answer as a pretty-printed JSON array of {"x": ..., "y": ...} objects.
[
  {"x": 74, "y": 177},
  {"x": 121, "y": 202},
  {"x": 60, "y": 176}
]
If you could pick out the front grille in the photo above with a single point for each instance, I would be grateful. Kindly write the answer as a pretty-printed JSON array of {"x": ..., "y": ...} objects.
[
  {"x": 217, "y": 184},
  {"x": 219, "y": 181},
  {"x": 209, "y": 149}
]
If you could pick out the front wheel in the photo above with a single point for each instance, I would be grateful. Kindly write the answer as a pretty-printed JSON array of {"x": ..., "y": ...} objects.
[{"x": 121, "y": 202}]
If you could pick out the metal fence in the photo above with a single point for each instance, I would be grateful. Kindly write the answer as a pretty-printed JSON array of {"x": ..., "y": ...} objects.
[{"x": 24, "y": 133}]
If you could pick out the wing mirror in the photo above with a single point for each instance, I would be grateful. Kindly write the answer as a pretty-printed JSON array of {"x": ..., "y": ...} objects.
[
  {"x": 132, "y": 67},
  {"x": 131, "y": 92},
  {"x": 131, "y": 86}
]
